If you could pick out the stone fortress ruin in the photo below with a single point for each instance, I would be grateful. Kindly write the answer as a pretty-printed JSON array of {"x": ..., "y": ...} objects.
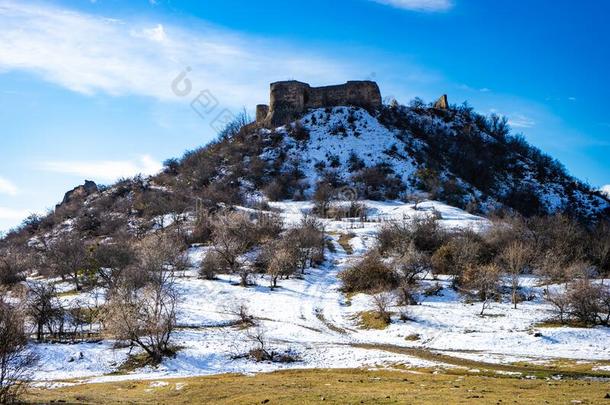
[{"x": 289, "y": 100}]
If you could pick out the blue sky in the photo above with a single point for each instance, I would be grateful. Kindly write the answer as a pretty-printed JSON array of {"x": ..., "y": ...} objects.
[{"x": 86, "y": 86}]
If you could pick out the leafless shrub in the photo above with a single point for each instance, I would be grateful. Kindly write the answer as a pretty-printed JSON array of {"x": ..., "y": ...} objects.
[
  {"x": 261, "y": 350},
  {"x": 433, "y": 290},
  {"x": 599, "y": 248},
  {"x": 322, "y": 198},
  {"x": 411, "y": 264},
  {"x": 233, "y": 235},
  {"x": 283, "y": 261},
  {"x": 484, "y": 280},
  {"x": 424, "y": 233},
  {"x": 464, "y": 250},
  {"x": 145, "y": 317},
  {"x": 514, "y": 259},
  {"x": 16, "y": 362},
  {"x": 44, "y": 310},
  {"x": 371, "y": 274},
  {"x": 381, "y": 304},
  {"x": 308, "y": 240},
  {"x": 67, "y": 257},
  {"x": 211, "y": 265},
  {"x": 266, "y": 226},
  {"x": 560, "y": 302},
  {"x": 14, "y": 263},
  {"x": 112, "y": 259},
  {"x": 145, "y": 314},
  {"x": 242, "y": 312}
]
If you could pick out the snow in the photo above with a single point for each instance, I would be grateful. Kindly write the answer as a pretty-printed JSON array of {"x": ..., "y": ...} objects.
[
  {"x": 311, "y": 317},
  {"x": 338, "y": 133}
]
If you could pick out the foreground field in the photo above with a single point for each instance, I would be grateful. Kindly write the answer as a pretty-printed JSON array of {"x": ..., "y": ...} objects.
[{"x": 336, "y": 387}]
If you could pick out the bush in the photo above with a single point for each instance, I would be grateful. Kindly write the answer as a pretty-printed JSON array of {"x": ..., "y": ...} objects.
[
  {"x": 424, "y": 233},
  {"x": 583, "y": 301},
  {"x": 484, "y": 280},
  {"x": 211, "y": 265},
  {"x": 371, "y": 274},
  {"x": 13, "y": 266},
  {"x": 464, "y": 250}
]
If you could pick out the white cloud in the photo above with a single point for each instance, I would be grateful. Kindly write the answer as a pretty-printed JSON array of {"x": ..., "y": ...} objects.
[
  {"x": 90, "y": 54},
  {"x": 521, "y": 121},
  {"x": 418, "y": 5},
  {"x": 105, "y": 170},
  {"x": 6, "y": 187},
  {"x": 606, "y": 190},
  {"x": 12, "y": 215}
]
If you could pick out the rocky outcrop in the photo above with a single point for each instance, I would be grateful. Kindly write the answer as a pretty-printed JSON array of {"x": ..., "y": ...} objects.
[
  {"x": 290, "y": 99},
  {"x": 79, "y": 193},
  {"x": 441, "y": 103}
]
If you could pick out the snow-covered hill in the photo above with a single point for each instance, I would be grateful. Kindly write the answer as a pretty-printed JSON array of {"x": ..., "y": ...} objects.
[{"x": 457, "y": 156}]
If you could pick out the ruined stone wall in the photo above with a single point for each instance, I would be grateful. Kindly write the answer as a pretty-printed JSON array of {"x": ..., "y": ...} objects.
[{"x": 290, "y": 99}]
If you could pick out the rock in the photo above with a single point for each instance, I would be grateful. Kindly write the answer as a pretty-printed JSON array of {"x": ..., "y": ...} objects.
[
  {"x": 79, "y": 193},
  {"x": 607, "y": 396},
  {"x": 441, "y": 103}
]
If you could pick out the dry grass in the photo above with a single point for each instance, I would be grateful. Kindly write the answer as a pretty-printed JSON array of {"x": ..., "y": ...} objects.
[
  {"x": 344, "y": 239},
  {"x": 332, "y": 387},
  {"x": 526, "y": 369},
  {"x": 372, "y": 320}
]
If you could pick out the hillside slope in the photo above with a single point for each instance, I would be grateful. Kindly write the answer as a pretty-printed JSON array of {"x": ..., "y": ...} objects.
[{"x": 401, "y": 152}]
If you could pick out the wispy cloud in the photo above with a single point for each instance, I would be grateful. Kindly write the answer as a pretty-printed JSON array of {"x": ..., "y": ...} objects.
[
  {"x": 419, "y": 5},
  {"x": 90, "y": 54},
  {"x": 7, "y": 187},
  {"x": 106, "y": 170},
  {"x": 12, "y": 215},
  {"x": 521, "y": 121},
  {"x": 469, "y": 88}
]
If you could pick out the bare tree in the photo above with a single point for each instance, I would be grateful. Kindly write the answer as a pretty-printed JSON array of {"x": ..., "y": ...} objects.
[
  {"x": 514, "y": 259},
  {"x": 382, "y": 302},
  {"x": 484, "y": 280},
  {"x": 112, "y": 259},
  {"x": 600, "y": 248},
  {"x": 44, "y": 309},
  {"x": 560, "y": 301},
  {"x": 67, "y": 257},
  {"x": 232, "y": 236},
  {"x": 145, "y": 316},
  {"x": 283, "y": 261},
  {"x": 322, "y": 198},
  {"x": 15, "y": 361},
  {"x": 411, "y": 264},
  {"x": 308, "y": 240}
]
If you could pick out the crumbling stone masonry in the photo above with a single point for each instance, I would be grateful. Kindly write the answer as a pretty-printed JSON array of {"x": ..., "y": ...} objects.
[{"x": 290, "y": 99}]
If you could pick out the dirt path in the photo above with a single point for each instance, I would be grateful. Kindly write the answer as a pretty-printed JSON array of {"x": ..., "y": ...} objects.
[{"x": 539, "y": 371}]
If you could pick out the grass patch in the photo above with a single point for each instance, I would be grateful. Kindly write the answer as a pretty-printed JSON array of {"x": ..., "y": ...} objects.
[
  {"x": 372, "y": 320},
  {"x": 134, "y": 362},
  {"x": 344, "y": 239},
  {"x": 490, "y": 369},
  {"x": 413, "y": 337},
  {"x": 354, "y": 386},
  {"x": 556, "y": 323}
]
